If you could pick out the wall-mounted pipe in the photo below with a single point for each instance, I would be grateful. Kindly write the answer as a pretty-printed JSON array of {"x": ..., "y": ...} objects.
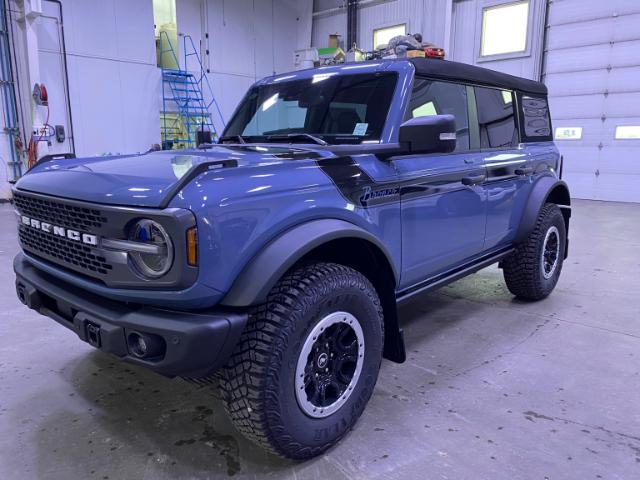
[
  {"x": 545, "y": 40},
  {"x": 352, "y": 24}
]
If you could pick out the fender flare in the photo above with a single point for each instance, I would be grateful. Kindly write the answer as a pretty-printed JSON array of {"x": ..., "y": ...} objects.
[
  {"x": 546, "y": 188},
  {"x": 263, "y": 271}
]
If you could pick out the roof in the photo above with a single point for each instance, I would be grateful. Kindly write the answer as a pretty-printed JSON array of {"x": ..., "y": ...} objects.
[{"x": 447, "y": 70}]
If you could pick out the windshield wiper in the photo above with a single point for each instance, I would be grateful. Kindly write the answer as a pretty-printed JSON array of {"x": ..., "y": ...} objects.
[
  {"x": 307, "y": 136},
  {"x": 238, "y": 138}
]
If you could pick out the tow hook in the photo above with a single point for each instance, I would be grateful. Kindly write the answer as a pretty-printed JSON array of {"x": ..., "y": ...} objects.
[{"x": 93, "y": 334}]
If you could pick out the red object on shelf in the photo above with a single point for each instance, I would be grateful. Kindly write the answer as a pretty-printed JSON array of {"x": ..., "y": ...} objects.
[{"x": 434, "y": 52}]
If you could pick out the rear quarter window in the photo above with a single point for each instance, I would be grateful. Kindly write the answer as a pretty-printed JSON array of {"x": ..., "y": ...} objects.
[{"x": 535, "y": 118}]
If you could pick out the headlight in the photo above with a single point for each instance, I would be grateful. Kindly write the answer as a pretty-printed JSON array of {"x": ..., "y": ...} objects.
[{"x": 158, "y": 260}]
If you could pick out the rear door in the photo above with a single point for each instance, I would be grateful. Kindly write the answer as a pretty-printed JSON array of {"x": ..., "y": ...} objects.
[
  {"x": 443, "y": 220},
  {"x": 508, "y": 163}
]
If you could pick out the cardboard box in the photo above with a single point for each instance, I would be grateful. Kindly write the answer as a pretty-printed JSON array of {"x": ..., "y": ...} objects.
[{"x": 415, "y": 54}]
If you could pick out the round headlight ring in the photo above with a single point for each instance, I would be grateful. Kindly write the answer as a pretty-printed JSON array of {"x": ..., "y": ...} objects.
[{"x": 150, "y": 232}]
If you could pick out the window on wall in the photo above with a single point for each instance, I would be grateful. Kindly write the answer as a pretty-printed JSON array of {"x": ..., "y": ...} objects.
[
  {"x": 496, "y": 118},
  {"x": 504, "y": 28},
  {"x": 381, "y": 36},
  {"x": 441, "y": 98}
]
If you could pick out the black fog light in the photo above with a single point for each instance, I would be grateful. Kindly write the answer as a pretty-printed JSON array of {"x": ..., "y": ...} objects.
[{"x": 144, "y": 345}]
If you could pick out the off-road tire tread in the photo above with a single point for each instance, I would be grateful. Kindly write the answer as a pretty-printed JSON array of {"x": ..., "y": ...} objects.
[
  {"x": 521, "y": 268},
  {"x": 249, "y": 381}
]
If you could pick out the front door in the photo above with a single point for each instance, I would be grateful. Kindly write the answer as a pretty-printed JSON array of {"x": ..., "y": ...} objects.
[{"x": 443, "y": 200}]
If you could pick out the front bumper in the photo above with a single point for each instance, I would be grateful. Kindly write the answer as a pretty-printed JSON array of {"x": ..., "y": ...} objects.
[{"x": 191, "y": 344}]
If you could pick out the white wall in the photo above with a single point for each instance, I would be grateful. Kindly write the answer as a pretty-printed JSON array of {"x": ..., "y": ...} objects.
[
  {"x": 115, "y": 85},
  {"x": 113, "y": 78},
  {"x": 247, "y": 40},
  {"x": 112, "y": 75}
]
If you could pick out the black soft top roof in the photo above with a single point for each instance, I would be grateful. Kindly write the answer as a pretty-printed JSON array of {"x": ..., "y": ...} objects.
[{"x": 462, "y": 72}]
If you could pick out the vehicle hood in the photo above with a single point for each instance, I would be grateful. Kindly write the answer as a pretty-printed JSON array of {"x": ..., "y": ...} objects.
[{"x": 147, "y": 180}]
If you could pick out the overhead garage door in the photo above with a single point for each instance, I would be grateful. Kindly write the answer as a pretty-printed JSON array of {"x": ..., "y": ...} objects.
[{"x": 592, "y": 70}]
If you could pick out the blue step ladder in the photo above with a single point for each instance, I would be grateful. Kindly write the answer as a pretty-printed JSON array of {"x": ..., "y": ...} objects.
[{"x": 185, "y": 108}]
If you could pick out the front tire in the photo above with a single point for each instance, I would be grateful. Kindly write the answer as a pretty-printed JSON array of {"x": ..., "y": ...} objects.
[
  {"x": 306, "y": 365},
  {"x": 532, "y": 271}
]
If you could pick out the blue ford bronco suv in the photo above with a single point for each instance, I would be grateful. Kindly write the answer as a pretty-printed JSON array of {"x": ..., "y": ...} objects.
[{"x": 274, "y": 261}]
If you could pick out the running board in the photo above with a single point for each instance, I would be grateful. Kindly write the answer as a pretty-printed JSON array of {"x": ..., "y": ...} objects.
[{"x": 446, "y": 278}]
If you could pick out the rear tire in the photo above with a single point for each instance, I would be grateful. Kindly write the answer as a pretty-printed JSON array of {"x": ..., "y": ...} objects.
[
  {"x": 532, "y": 271},
  {"x": 307, "y": 362}
]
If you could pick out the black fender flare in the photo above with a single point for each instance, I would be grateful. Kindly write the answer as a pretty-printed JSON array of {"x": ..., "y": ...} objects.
[
  {"x": 546, "y": 189},
  {"x": 263, "y": 271}
]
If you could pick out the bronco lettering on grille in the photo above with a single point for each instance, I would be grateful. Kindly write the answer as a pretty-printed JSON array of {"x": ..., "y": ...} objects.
[{"x": 74, "y": 235}]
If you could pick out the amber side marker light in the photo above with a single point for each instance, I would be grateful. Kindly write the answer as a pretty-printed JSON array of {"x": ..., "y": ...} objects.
[{"x": 192, "y": 246}]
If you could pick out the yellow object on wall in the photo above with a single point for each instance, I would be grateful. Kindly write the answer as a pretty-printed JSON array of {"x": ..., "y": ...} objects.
[{"x": 167, "y": 46}]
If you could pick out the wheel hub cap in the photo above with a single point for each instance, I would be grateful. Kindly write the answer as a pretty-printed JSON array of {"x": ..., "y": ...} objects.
[
  {"x": 329, "y": 364},
  {"x": 322, "y": 361}
]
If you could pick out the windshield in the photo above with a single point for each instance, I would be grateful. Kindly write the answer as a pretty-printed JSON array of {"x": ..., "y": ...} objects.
[{"x": 330, "y": 107}]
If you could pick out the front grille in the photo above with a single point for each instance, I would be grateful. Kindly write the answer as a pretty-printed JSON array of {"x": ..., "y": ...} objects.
[
  {"x": 53, "y": 230},
  {"x": 68, "y": 251},
  {"x": 58, "y": 213}
]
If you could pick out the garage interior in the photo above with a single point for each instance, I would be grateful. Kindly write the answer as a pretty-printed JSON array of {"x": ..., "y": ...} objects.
[{"x": 492, "y": 388}]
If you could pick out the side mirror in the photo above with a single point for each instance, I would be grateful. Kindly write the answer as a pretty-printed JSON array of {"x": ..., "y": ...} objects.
[{"x": 429, "y": 134}]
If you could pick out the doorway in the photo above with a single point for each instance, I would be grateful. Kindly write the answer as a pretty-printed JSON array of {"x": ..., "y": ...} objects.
[{"x": 166, "y": 33}]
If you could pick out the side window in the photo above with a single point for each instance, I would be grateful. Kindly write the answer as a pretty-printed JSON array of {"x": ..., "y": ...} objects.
[
  {"x": 496, "y": 118},
  {"x": 439, "y": 98},
  {"x": 536, "y": 120}
]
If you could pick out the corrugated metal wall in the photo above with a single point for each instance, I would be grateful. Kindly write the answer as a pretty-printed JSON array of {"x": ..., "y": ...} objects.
[
  {"x": 591, "y": 66},
  {"x": 424, "y": 16},
  {"x": 467, "y": 31},
  {"x": 593, "y": 74}
]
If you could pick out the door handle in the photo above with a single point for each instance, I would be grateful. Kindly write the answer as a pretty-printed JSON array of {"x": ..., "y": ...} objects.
[
  {"x": 524, "y": 170},
  {"x": 473, "y": 179}
]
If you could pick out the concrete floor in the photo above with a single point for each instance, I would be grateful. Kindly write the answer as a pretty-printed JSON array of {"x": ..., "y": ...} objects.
[{"x": 493, "y": 388}]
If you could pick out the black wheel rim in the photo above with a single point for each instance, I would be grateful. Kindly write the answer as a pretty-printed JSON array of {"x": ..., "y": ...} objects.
[
  {"x": 329, "y": 364},
  {"x": 550, "y": 252}
]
